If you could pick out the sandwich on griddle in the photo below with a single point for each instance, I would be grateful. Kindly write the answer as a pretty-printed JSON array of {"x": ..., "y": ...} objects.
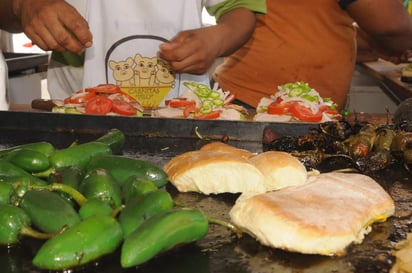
[{"x": 323, "y": 216}]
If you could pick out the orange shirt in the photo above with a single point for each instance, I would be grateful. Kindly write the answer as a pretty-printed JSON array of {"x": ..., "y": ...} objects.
[{"x": 311, "y": 41}]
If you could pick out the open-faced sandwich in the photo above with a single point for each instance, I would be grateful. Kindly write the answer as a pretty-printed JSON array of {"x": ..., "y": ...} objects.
[
  {"x": 103, "y": 99},
  {"x": 296, "y": 102},
  {"x": 199, "y": 101}
]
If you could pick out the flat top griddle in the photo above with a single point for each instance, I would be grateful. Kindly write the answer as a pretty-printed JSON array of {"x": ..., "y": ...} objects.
[{"x": 157, "y": 141}]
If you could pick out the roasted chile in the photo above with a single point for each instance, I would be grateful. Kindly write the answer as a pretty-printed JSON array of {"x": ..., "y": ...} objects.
[
  {"x": 402, "y": 147},
  {"x": 323, "y": 138},
  {"x": 363, "y": 146}
]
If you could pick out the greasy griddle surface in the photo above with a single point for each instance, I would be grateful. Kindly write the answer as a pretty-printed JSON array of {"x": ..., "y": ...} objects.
[{"x": 221, "y": 251}]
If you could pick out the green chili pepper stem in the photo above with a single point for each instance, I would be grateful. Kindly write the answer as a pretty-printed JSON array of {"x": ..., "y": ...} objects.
[
  {"x": 75, "y": 194},
  {"x": 117, "y": 210},
  {"x": 44, "y": 174},
  {"x": 226, "y": 224},
  {"x": 29, "y": 232}
]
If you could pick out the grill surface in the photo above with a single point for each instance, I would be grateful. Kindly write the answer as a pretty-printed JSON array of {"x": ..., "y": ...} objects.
[{"x": 157, "y": 141}]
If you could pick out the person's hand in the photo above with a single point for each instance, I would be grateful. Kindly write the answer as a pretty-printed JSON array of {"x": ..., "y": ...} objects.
[
  {"x": 53, "y": 25},
  {"x": 192, "y": 51}
]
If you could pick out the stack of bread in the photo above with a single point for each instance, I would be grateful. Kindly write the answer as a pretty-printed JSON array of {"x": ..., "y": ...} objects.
[{"x": 282, "y": 205}]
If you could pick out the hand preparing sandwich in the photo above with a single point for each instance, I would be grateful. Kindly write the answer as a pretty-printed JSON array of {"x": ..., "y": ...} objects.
[{"x": 281, "y": 204}]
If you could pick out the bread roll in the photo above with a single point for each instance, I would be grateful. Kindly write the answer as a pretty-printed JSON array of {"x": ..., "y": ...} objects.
[
  {"x": 323, "y": 216},
  {"x": 226, "y": 148},
  {"x": 212, "y": 172},
  {"x": 403, "y": 256},
  {"x": 280, "y": 169}
]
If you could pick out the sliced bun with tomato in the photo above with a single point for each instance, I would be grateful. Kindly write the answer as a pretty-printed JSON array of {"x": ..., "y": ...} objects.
[
  {"x": 200, "y": 101},
  {"x": 103, "y": 99},
  {"x": 213, "y": 172},
  {"x": 323, "y": 216},
  {"x": 296, "y": 102}
]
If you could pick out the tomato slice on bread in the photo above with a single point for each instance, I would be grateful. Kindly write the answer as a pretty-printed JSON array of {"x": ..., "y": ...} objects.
[
  {"x": 180, "y": 102},
  {"x": 279, "y": 108},
  {"x": 79, "y": 97},
  {"x": 193, "y": 111},
  {"x": 123, "y": 108},
  {"x": 212, "y": 115},
  {"x": 99, "y": 105},
  {"x": 104, "y": 88},
  {"x": 304, "y": 113}
]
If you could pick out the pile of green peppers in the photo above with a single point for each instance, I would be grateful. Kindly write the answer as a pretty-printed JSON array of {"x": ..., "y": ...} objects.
[{"x": 88, "y": 200}]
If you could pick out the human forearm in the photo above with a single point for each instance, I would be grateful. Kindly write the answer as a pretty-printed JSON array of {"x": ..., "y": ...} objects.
[
  {"x": 194, "y": 51},
  {"x": 232, "y": 36},
  {"x": 385, "y": 22}
]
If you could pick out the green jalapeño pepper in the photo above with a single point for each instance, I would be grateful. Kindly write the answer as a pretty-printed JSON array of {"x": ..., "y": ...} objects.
[
  {"x": 87, "y": 241},
  {"x": 93, "y": 207},
  {"x": 78, "y": 155},
  {"x": 136, "y": 185},
  {"x": 142, "y": 207},
  {"x": 100, "y": 184},
  {"x": 162, "y": 232},
  {"x": 15, "y": 222},
  {"x": 122, "y": 167},
  {"x": 6, "y": 192},
  {"x": 115, "y": 139},
  {"x": 28, "y": 160},
  {"x": 43, "y": 147},
  {"x": 48, "y": 211},
  {"x": 8, "y": 169},
  {"x": 70, "y": 176},
  {"x": 20, "y": 185}
]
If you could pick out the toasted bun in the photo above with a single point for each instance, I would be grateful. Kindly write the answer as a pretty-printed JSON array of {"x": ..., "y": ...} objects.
[
  {"x": 403, "y": 256},
  {"x": 280, "y": 169},
  {"x": 323, "y": 216},
  {"x": 226, "y": 148},
  {"x": 214, "y": 172}
]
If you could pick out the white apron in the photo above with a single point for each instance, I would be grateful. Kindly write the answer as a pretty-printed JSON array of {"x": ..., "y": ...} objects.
[
  {"x": 126, "y": 39},
  {"x": 4, "y": 105}
]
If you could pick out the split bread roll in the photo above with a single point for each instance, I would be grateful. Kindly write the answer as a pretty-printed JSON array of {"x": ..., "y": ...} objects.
[
  {"x": 218, "y": 146},
  {"x": 221, "y": 168},
  {"x": 323, "y": 216},
  {"x": 212, "y": 172},
  {"x": 403, "y": 256},
  {"x": 280, "y": 169}
]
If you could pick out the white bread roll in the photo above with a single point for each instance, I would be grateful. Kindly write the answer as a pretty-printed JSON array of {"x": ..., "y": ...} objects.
[
  {"x": 218, "y": 146},
  {"x": 323, "y": 216},
  {"x": 280, "y": 169},
  {"x": 212, "y": 172}
]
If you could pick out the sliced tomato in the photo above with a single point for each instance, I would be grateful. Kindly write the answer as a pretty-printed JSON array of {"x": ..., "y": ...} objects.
[
  {"x": 180, "y": 102},
  {"x": 99, "y": 105},
  {"x": 212, "y": 115},
  {"x": 304, "y": 113},
  {"x": 193, "y": 111},
  {"x": 123, "y": 108},
  {"x": 104, "y": 88},
  {"x": 190, "y": 110},
  {"x": 79, "y": 97},
  {"x": 279, "y": 108},
  {"x": 229, "y": 99},
  {"x": 328, "y": 110}
]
